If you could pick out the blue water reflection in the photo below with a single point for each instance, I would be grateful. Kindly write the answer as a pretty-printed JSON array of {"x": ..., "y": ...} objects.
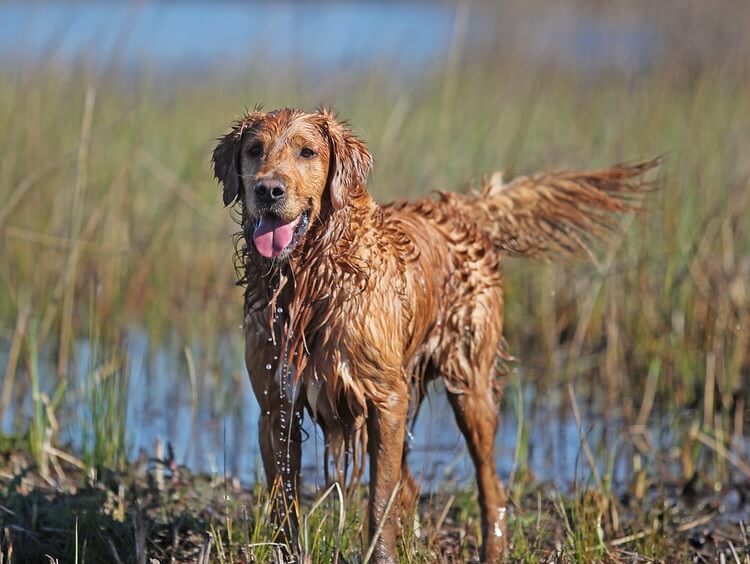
[
  {"x": 319, "y": 36},
  {"x": 194, "y": 34}
]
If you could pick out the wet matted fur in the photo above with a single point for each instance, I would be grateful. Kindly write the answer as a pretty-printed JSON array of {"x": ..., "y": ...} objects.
[{"x": 351, "y": 307}]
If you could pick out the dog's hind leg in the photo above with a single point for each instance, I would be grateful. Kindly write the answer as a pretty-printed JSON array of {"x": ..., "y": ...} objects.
[
  {"x": 345, "y": 453},
  {"x": 334, "y": 455},
  {"x": 477, "y": 417},
  {"x": 470, "y": 378}
]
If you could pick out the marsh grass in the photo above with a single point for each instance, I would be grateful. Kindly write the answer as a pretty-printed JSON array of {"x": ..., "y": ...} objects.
[
  {"x": 109, "y": 219},
  {"x": 39, "y": 429},
  {"x": 104, "y": 425}
]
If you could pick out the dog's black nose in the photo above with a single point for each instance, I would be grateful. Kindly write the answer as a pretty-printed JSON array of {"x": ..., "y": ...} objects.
[{"x": 269, "y": 191}]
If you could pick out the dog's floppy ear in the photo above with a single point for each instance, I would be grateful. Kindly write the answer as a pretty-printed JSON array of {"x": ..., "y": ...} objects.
[
  {"x": 349, "y": 162},
  {"x": 226, "y": 156}
]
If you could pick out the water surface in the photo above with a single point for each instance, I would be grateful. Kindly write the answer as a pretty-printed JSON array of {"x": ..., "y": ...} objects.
[
  {"x": 210, "y": 419},
  {"x": 318, "y": 36}
]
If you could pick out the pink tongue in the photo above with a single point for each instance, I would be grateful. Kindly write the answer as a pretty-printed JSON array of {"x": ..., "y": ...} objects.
[{"x": 273, "y": 235}]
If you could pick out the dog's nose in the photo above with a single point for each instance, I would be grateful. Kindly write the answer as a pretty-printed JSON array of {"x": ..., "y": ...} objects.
[{"x": 269, "y": 191}]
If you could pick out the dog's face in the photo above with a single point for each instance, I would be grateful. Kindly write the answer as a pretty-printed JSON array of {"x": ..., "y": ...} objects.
[{"x": 289, "y": 169}]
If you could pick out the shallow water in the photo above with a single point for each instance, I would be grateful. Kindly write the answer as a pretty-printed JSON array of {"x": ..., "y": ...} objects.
[
  {"x": 211, "y": 422},
  {"x": 406, "y": 36}
]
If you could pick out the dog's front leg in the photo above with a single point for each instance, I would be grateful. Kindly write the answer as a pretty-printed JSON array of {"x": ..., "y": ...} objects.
[
  {"x": 279, "y": 433},
  {"x": 386, "y": 426}
]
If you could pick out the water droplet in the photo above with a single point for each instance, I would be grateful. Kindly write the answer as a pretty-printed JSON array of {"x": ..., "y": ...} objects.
[
  {"x": 279, "y": 310},
  {"x": 268, "y": 367},
  {"x": 498, "y": 526}
]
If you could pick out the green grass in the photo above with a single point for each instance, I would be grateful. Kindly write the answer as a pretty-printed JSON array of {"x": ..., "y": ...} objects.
[
  {"x": 104, "y": 423},
  {"x": 39, "y": 428}
]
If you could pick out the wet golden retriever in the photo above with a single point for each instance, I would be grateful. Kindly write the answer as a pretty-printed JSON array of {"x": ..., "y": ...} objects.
[{"x": 351, "y": 306}]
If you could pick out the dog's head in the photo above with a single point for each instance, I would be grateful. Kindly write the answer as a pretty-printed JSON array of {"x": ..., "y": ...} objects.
[{"x": 289, "y": 169}]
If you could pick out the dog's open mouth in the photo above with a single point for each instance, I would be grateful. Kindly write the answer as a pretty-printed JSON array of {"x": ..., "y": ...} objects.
[{"x": 274, "y": 236}]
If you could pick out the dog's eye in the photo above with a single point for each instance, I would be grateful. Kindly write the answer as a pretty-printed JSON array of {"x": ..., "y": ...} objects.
[
  {"x": 255, "y": 150},
  {"x": 307, "y": 152}
]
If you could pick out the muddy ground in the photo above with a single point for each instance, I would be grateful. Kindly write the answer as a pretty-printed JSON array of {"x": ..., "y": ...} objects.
[{"x": 157, "y": 511}]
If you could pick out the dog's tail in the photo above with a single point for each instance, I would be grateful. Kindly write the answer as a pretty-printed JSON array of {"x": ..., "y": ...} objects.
[{"x": 557, "y": 213}]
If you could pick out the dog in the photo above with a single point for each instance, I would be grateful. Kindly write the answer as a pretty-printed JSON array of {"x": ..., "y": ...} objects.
[{"x": 352, "y": 307}]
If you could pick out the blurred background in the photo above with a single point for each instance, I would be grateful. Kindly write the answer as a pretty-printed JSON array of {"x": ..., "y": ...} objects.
[{"x": 120, "y": 323}]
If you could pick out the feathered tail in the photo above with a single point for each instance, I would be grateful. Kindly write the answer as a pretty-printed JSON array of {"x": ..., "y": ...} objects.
[{"x": 557, "y": 213}]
